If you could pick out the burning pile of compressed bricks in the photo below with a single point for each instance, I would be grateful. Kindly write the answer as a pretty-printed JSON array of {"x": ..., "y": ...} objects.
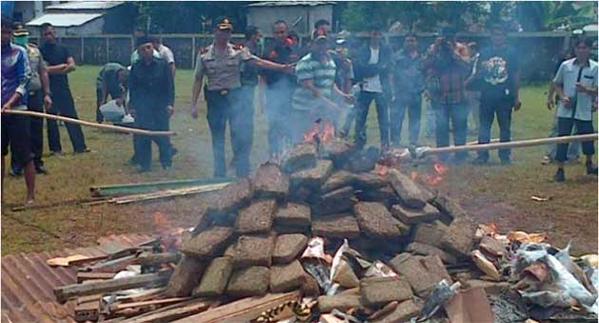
[
  {"x": 328, "y": 235},
  {"x": 250, "y": 239}
]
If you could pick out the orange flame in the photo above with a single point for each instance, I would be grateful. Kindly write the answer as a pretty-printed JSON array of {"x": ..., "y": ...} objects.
[
  {"x": 322, "y": 131},
  {"x": 433, "y": 179},
  {"x": 171, "y": 237},
  {"x": 381, "y": 170},
  {"x": 440, "y": 168},
  {"x": 414, "y": 175}
]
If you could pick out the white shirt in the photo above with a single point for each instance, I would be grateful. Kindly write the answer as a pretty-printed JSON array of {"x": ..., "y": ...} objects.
[
  {"x": 567, "y": 75},
  {"x": 166, "y": 54},
  {"x": 373, "y": 84}
]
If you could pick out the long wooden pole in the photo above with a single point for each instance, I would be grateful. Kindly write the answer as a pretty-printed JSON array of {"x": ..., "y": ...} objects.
[
  {"x": 511, "y": 144},
  {"x": 136, "y": 131}
]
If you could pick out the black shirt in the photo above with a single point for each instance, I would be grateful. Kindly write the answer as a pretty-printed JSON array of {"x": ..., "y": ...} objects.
[
  {"x": 249, "y": 72},
  {"x": 498, "y": 68},
  {"x": 151, "y": 86},
  {"x": 55, "y": 54},
  {"x": 283, "y": 54}
]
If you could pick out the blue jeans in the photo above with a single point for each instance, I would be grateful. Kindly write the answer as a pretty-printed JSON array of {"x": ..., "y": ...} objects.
[
  {"x": 488, "y": 110},
  {"x": 564, "y": 128},
  {"x": 364, "y": 100},
  {"x": 457, "y": 114},
  {"x": 573, "y": 147},
  {"x": 413, "y": 105},
  {"x": 230, "y": 108}
]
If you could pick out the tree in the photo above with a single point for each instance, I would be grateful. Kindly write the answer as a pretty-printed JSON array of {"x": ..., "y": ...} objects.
[
  {"x": 551, "y": 15},
  {"x": 188, "y": 16},
  {"x": 413, "y": 15}
]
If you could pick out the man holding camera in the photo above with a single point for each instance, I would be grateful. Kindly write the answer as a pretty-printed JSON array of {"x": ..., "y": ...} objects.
[{"x": 449, "y": 71}]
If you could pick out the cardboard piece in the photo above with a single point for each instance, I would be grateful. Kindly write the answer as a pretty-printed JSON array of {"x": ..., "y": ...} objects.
[{"x": 470, "y": 306}]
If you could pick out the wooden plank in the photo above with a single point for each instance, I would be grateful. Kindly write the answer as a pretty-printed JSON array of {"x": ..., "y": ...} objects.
[
  {"x": 63, "y": 293},
  {"x": 137, "y": 188},
  {"x": 84, "y": 276},
  {"x": 122, "y": 306},
  {"x": 243, "y": 310},
  {"x": 175, "y": 312},
  {"x": 153, "y": 259},
  {"x": 71, "y": 260},
  {"x": 147, "y": 294}
]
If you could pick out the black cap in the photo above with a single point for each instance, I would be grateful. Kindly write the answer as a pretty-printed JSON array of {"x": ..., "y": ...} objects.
[
  {"x": 142, "y": 40},
  {"x": 223, "y": 23}
]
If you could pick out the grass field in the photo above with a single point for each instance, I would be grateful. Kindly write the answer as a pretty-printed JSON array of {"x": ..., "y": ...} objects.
[{"x": 493, "y": 193}]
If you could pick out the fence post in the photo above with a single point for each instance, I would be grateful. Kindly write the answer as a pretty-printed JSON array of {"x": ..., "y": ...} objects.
[
  {"x": 193, "y": 50},
  {"x": 82, "y": 51},
  {"x": 107, "y": 51}
]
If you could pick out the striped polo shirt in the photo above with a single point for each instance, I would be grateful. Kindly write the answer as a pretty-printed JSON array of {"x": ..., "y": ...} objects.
[{"x": 323, "y": 75}]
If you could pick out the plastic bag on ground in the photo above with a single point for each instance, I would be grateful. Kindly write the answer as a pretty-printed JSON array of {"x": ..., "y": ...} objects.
[
  {"x": 379, "y": 269},
  {"x": 341, "y": 271},
  {"x": 442, "y": 293},
  {"x": 112, "y": 112}
]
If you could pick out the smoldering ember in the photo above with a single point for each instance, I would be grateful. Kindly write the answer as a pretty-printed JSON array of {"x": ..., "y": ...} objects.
[{"x": 274, "y": 196}]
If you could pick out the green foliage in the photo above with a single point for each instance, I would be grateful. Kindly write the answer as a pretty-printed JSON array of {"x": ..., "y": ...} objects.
[
  {"x": 413, "y": 15},
  {"x": 429, "y": 16},
  {"x": 188, "y": 16}
]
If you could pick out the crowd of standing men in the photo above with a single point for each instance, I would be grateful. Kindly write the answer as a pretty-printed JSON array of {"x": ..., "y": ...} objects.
[{"x": 329, "y": 79}]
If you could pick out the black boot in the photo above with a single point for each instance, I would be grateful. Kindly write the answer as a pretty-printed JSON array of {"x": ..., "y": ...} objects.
[
  {"x": 591, "y": 169},
  {"x": 559, "y": 176}
]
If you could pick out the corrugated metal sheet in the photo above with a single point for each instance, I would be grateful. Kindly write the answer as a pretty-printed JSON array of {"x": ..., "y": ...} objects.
[
  {"x": 64, "y": 19},
  {"x": 290, "y": 3},
  {"x": 85, "y": 5},
  {"x": 28, "y": 282}
]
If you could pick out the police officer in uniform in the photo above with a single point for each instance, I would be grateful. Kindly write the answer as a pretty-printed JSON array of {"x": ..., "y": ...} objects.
[{"x": 221, "y": 64}]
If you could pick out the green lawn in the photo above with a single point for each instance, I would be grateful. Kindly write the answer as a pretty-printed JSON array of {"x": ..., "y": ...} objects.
[{"x": 492, "y": 193}]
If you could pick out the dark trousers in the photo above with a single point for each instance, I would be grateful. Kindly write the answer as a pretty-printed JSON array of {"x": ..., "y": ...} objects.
[
  {"x": 397, "y": 112},
  {"x": 230, "y": 108},
  {"x": 364, "y": 101},
  {"x": 564, "y": 128},
  {"x": 156, "y": 120},
  {"x": 64, "y": 105},
  {"x": 15, "y": 134},
  {"x": 36, "y": 131},
  {"x": 278, "y": 106},
  {"x": 457, "y": 114},
  {"x": 488, "y": 110}
]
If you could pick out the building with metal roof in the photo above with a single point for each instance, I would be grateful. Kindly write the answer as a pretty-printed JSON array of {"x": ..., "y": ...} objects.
[{"x": 85, "y": 18}]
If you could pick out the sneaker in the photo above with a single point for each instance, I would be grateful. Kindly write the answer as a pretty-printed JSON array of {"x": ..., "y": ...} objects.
[
  {"x": 591, "y": 169},
  {"x": 86, "y": 150},
  {"x": 141, "y": 169},
  {"x": 57, "y": 153},
  {"x": 40, "y": 169},
  {"x": 132, "y": 161},
  {"x": 559, "y": 176},
  {"x": 16, "y": 172},
  {"x": 546, "y": 160}
]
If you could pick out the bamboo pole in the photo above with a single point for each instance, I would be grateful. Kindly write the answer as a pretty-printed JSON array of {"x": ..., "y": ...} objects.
[
  {"x": 511, "y": 144},
  {"x": 90, "y": 124}
]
